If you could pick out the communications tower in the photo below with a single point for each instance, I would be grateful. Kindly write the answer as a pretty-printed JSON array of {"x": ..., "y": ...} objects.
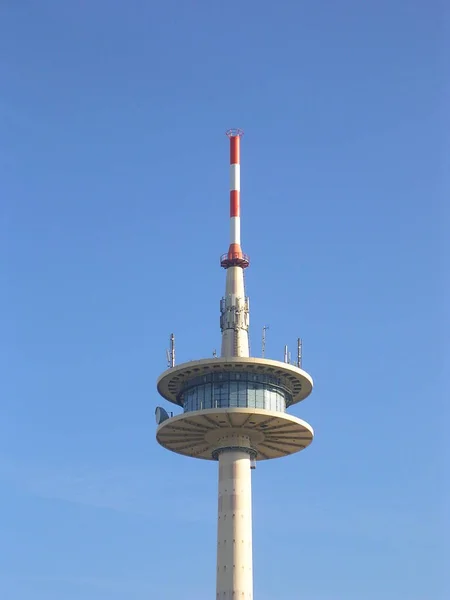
[{"x": 234, "y": 410}]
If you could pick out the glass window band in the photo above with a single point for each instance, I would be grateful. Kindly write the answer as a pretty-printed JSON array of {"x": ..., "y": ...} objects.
[{"x": 235, "y": 390}]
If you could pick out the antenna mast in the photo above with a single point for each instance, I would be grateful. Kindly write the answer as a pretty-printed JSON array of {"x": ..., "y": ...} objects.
[
  {"x": 234, "y": 306},
  {"x": 264, "y": 329},
  {"x": 299, "y": 352},
  {"x": 170, "y": 354}
]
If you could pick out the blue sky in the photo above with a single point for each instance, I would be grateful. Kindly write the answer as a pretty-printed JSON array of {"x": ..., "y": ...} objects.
[{"x": 114, "y": 211}]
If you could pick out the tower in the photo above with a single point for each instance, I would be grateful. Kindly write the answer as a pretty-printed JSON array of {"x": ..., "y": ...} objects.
[{"x": 234, "y": 410}]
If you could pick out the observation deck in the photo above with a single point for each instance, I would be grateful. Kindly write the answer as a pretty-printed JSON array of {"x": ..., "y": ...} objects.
[
  {"x": 235, "y": 397},
  {"x": 174, "y": 381}
]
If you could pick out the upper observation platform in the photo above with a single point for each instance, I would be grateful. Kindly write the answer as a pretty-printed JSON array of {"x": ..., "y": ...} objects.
[{"x": 249, "y": 373}]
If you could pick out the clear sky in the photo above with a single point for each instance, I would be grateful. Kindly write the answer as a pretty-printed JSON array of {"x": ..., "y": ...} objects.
[{"x": 114, "y": 212}]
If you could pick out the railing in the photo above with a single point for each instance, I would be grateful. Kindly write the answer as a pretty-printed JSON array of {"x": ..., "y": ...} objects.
[{"x": 237, "y": 259}]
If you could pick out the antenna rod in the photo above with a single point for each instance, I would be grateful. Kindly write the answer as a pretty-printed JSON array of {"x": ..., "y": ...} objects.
[
  {"x": 264, "y": 329},
  {"x": 286, "y": 354},
  {"x": 172, "y": 350},
  {"x": 299, "y": 353}
]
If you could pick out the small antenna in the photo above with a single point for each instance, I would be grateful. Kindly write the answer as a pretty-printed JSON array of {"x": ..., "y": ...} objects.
[
  {"x": 264, "y": 329},
  {"x": 299, "y": 352},
  {"x": 214, "y": 353},
  {"x": 170, "y": 354},
  {"x": 286, "y": 354}
]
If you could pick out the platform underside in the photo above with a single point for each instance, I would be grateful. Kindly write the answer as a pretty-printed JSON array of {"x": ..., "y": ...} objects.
[{"x": 272, "y": 434}]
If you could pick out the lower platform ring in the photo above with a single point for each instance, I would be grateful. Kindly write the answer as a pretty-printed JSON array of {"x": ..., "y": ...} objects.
[
  {"x": 215, "y": 453},
  {"x": 272, "y": 434}
]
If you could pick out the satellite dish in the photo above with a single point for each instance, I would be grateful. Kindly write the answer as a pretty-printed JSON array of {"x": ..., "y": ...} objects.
[{"x": 160, "y": 415}]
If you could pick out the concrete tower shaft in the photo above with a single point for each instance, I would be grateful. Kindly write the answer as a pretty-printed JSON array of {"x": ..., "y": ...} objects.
[{"x": 234, "y": 527}]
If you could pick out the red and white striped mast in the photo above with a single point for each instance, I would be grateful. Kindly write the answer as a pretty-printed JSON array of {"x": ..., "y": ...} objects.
[{"x": 234, "y": 307}]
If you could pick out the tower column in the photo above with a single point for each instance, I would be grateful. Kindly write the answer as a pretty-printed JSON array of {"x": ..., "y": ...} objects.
[{"x": 234, "y": 531}]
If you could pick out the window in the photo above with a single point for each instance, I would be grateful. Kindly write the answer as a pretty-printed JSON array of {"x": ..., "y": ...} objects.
[
  {"x": 200, "y": 397},
  {"x": 233, "y": 398},
  {"x": 242, "y": 394},
  {"x": 208, "y": 396},
  {"x": 259, "y": 393},
  {"x": 221, "y": 391}
]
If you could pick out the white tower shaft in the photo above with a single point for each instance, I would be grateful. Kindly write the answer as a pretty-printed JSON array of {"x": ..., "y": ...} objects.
[{"x": 234, "y": 530}]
